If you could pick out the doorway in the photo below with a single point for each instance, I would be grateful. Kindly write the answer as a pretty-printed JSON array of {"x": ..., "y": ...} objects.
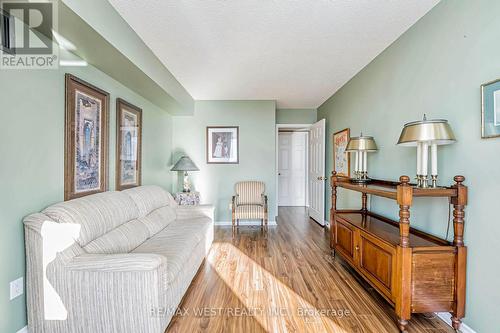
[
  {"x": 300, "y": 168},
  {"x": 292, "y": 167}
]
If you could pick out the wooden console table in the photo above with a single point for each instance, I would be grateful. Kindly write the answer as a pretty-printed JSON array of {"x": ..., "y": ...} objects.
[{"x": 414, "y": 271}]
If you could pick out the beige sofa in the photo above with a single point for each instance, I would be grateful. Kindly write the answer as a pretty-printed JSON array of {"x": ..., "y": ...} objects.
[{"x": 113, "y": 261}]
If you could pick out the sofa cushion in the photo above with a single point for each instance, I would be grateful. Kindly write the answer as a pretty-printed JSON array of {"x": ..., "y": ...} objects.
[
  {"x": 249, "y": 212},
  {"x": 96, "y": 214},
  {"x": 148, "y": 198},
  {"x": 122, "y": 239},
  {"x": 158, "y": 219},
  {"x": 176, "y": 242}
]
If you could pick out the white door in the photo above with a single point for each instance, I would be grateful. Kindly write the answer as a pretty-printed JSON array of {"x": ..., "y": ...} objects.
[
  {"x": 292, "y": 164},
  {"x": 317, "y": 172}
]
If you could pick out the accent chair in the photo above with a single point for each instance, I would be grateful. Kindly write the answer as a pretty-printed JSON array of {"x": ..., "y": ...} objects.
[{"x": 250, "y": 202}]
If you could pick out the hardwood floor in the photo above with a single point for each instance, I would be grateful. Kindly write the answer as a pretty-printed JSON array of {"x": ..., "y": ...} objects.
[{"x": 284, "y": 281}]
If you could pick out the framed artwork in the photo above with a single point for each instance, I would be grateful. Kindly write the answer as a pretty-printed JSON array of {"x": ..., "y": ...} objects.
[
  {"x": 341, "y": 159},
  {"x": 86, "y": 139},
  {"x": 490, "y": 109},
  {"x": 223, "y": 144},
  {"x": 128, "y": 145}
]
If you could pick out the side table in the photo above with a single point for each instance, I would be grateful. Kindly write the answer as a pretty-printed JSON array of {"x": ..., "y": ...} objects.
[{"x": 188, "y": 198}]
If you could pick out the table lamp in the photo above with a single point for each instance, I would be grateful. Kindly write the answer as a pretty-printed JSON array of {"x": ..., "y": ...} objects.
[
  {"x": 185, "y": 164},
  {"x": 361, "y": 146},
  {"x": 424, "y": 134}
]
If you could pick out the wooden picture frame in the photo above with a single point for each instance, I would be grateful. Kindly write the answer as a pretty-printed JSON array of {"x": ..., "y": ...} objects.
[
  {"x": 222, "y": 144},
  {"x": 128, "y": 145},
  {"x": 490, "y": 109},
  {"x": 341, "y": 165},
  {"x": 86, "y": 138}
]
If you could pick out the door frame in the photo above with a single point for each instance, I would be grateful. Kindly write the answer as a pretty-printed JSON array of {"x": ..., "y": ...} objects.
[{"x": 276, "y": 145}]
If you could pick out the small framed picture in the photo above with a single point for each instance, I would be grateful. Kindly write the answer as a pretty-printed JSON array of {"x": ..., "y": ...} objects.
[
  {"x": 128, "y": 145},
  {"x": 490, "y": 109},
  {"x": 223, "y": 144},
  {"x": 341, "y": 159},
  {"x": 86, "y": 139}
]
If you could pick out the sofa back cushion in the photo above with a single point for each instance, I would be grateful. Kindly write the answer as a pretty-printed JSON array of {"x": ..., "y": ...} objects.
[
  {"x": 156, "y": 207},
  {"x": 122, "y": 239},
  {"x": 159, "y": 219},
  {"x": 96, "y": 214},
  {"x": 149, "y": 198}
]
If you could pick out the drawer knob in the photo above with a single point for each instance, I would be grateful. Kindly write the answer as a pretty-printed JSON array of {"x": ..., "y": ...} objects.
[{"x": 357, "y": 248}]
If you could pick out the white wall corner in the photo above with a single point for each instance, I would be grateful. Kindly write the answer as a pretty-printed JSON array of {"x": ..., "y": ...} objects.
[{"x": 446, "y": 317}]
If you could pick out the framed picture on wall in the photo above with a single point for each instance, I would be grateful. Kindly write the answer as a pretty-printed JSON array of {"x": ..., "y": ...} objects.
[
  {"x": 128, "y": 145},
  {"x": 86, "y": 139},
  {"x": 490, "y": 109},
  {"x": 341, "y": 159},
  {"x": 223, "y": 144}
]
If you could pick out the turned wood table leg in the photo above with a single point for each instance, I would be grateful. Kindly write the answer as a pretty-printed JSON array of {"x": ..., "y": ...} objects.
[
  {"x": 402, "y": 324},
  {"x": 459, "y": 202},
  {"x": 364, "y": 199},
  {"x": 404, "y": 226},
  {"x": 455, "y": 322},
  {"x": 405, "y": 197},
  {"x": 333, "y": 209},
  {"x": 404, "y": 255}
]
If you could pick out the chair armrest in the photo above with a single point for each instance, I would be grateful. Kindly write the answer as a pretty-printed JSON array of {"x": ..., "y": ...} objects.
[
  {"x": 189, "y": 212},
  {"x": 127, "y": 262}
]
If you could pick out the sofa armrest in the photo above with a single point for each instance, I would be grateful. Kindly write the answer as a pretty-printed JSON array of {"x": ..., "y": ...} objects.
[
  {"x": 96, "y": 285},
  {"x": 128, "y": 262},
  {"x": 189, "y": 212}
]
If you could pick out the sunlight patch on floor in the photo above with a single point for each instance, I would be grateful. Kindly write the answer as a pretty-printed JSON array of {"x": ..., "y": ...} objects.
[{"x": 274, "y": 305}]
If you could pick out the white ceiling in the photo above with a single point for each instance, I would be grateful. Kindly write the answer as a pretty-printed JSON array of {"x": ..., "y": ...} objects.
[{"x": 297, "y": 52}]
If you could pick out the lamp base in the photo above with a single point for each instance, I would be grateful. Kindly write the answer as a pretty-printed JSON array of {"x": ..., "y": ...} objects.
[
  {"x": 434, "y": 181},
  {"x": 186, "y": 185},
  {"x": 422, "y": 181}
]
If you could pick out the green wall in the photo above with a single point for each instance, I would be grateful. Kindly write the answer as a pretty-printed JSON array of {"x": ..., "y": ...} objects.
[
  {"x": 436, "y": 68},
  {"x": 32, "y": 164},
  {"x": 296, "y": 116},
  {"x": 256, "y": 121}
]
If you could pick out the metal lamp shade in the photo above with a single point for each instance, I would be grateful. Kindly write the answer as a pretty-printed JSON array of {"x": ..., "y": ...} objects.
[
  {"x": 436, "y": 131},
  {"x": 361, "y": 143},
  {"x": 184, "y": 164}
]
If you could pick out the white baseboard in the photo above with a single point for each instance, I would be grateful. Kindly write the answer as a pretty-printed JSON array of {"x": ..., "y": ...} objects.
[
  {"x": 23, "y": 330},
  {"x": 245, "y": 223},
  {"x": 446, "y": 317}
]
